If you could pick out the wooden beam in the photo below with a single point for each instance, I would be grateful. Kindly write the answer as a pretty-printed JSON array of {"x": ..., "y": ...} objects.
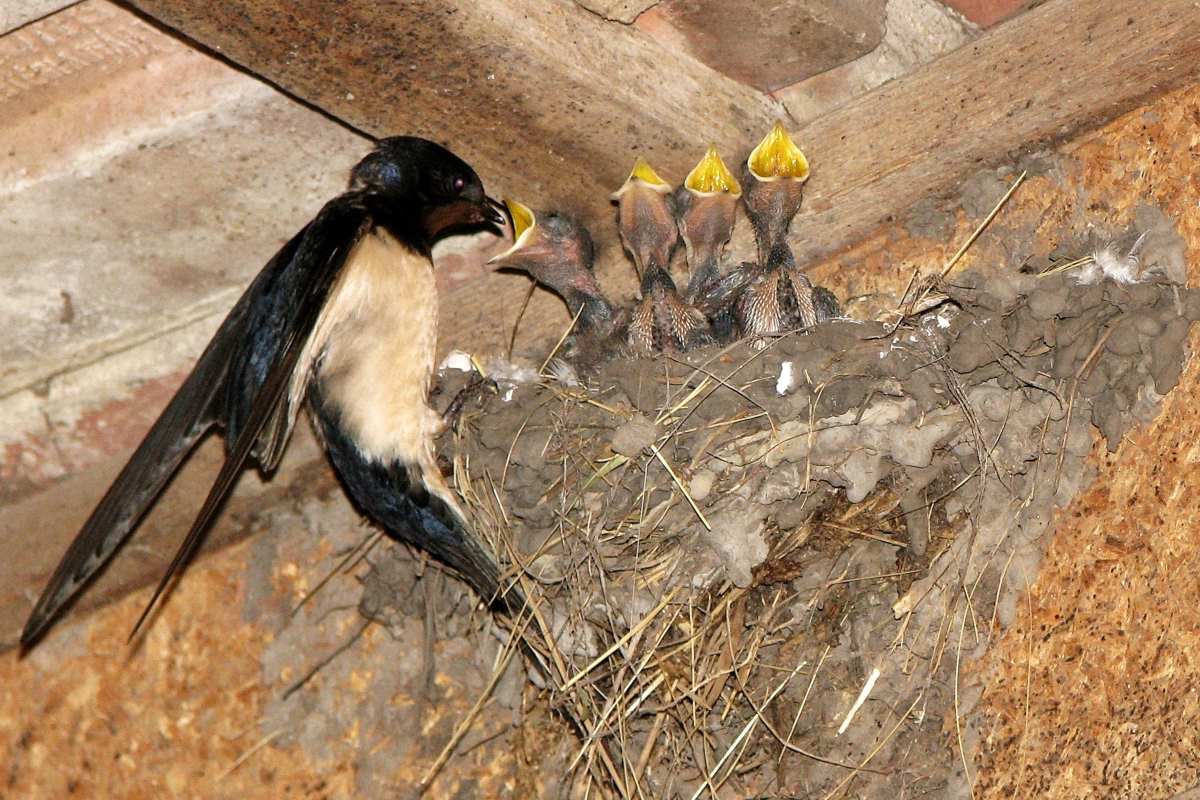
[
  {"x": 752, "y": 46},
  {"x": 550, "y": 101},
  {"x": 1063, "y": 67},
  {"x": 546, "y": 99}
]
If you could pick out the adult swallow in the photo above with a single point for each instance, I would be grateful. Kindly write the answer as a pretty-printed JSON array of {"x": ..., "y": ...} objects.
[
  {"x": 706, "y": 208},
  {"x": 661, "y": 321},
  {"x": 344, "y": 317}
]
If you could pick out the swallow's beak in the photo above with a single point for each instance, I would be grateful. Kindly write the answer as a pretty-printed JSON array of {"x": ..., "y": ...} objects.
[
  {"x": 711, "y": 176},
  {"x": 528, "y": 243},
  {"x": 463, "y": 216},
  {"x": 778, "y": 158},
  {"x": 641, "y": 176},
  {"x": 776, "y": 172},
  {"x": 497, "y": 213}
]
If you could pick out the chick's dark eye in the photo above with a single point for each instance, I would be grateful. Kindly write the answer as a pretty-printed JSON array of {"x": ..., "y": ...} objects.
[{"x": 458, "y": 184}]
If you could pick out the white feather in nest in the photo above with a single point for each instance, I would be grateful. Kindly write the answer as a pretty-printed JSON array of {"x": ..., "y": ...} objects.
[
  {"x": 457, "y": 360},
  {"x": 563, "y": 372},
  {"x": 787, "y": 379},
  {"x": 508, "y": 375},
  {"x": 1108, "y": 262}
]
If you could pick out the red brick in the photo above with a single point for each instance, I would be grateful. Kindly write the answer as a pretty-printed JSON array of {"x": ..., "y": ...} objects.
[
  {"x": 986, "y": 13},
  {"x": 768, "y": 46}
]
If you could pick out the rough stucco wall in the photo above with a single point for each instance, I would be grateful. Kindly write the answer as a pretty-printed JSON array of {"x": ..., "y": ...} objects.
[{"x": 1091, "y": 693}]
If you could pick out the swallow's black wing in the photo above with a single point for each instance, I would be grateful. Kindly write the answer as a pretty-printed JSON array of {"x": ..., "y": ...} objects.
[{"x": 241, "y": 382}]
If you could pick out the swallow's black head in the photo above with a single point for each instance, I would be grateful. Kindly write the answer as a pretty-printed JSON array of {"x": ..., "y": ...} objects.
[
  {"x": 409, "y": 166},
  {"x": 436, "y": 190}
]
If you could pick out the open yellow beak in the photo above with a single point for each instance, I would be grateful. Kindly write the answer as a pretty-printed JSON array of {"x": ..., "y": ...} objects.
[
  {"x": 777, "y": 156},
  {"x": 644, "y": 174},
  {"x": 522, "y": 217},
  {"x": 711, "y": 176},
  {"x": 523, "y": 220},
  {"x": 642, "y": 171}
]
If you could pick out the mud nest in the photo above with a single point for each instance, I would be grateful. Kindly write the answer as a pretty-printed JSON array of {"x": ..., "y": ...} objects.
[{"x": 758, "y": 571}]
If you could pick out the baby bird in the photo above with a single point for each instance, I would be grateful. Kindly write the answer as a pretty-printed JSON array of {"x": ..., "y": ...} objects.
[
  {"x": 775, "y": 174},
  {"x": 557, "y": 252},
  {"x": 706, "y": 207},
  {"x": 661, "y": 321},
  {"x": 777, "y": 298},
  {"x": 775, "y": 294}
]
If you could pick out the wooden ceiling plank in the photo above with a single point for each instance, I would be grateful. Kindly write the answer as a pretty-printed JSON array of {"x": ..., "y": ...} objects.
[
  {"x": 546, "y": 99},
  {"x": 1051, "y": 73},
  {"x": 550, "y": 101}
]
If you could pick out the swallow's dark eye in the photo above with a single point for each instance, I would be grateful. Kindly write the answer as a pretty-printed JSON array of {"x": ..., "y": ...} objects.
[{"x": 458, "y": 184}]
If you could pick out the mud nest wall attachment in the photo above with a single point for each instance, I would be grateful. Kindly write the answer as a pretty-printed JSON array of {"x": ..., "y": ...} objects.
[{"x": 758, "y": 570}]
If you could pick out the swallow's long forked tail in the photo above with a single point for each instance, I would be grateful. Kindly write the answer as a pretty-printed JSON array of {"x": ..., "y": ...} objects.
[
  {"x": 207, "y": 399},
  {"x": 190, "y": 415}
]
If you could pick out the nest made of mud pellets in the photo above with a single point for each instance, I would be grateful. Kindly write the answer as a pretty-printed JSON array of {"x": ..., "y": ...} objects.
[{"x": 726, "y": 552}]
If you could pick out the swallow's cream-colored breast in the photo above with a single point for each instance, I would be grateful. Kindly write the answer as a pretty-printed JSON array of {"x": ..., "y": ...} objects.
[{"x": 375, "y": 344}]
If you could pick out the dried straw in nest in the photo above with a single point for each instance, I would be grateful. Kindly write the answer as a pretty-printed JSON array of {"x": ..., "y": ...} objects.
[{"x": 749, "y": 570}]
